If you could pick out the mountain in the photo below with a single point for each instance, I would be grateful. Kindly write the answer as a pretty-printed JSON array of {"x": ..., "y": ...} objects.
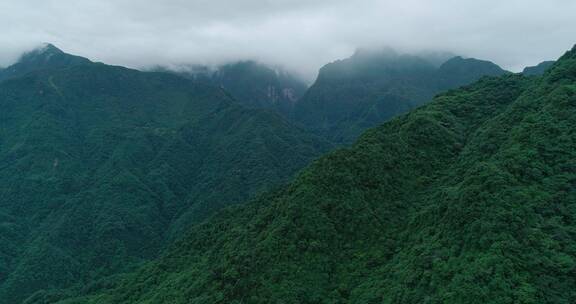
[
  {"x": 45, "y": 57},
  {"x": 371, "y": 87},
  {"x": 253, "y": 84},
  {"x": 468, "y": 199},
  {"x": 102, "y": 166},
  {"x": 538, "y": 69},
  {"x": 459, "y": 71}
]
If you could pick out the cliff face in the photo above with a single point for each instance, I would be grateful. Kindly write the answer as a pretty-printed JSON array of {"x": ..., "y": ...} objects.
[{"x": 254, "y": 85}]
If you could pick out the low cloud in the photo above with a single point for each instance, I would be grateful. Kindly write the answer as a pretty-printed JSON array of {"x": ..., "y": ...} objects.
[{"x": 297, "y": 34}]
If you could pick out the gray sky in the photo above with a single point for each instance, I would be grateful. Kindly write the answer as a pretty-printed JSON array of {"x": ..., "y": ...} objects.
[{"x": 298, "y": 34}]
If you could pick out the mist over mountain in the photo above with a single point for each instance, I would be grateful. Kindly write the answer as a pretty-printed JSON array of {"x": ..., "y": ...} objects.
[
  {"x": 349, "y": 95},
  {"x": 302, "y": 35},
  {"x": 253, "y": 84},
  {"x": 371, "y": 87}
]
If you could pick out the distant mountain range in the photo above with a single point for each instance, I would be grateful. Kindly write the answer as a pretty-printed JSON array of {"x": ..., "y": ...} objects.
[
  {"x": 103, "y": 168},
  {"x": 349, "y": 95}
]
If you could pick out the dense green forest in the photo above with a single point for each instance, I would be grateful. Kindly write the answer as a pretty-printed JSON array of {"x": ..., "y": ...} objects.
[
  {"x": 468, "y": 199},
  {"x": 102, "y": 166},
  {"x": 371, "y": 87}
]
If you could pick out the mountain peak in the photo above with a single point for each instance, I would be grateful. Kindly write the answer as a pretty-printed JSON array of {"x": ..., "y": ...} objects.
[
  {"x": 45, "y": 56},
  {"x": 385, "y": 52},
  {"x": 44, "y": 52},
  {"x": 459, "y": 64},
  {"x": 462, "y": 60},
  {"x": 49, "y": 47}
]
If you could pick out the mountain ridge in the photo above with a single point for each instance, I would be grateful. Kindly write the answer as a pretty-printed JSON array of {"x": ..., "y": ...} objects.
[
  {"x": 369, "y": 88},
  {"x": 539, "y": 69}
]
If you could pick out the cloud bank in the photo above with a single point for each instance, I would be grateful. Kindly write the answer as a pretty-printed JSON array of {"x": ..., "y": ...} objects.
[{"x": 301, "y": 35}]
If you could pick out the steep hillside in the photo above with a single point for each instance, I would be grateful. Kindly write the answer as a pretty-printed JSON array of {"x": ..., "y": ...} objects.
[
  {"x": 469, "y": 199},
  {"x": 101, "y": 166},
  {"x": 369, "y": 88}
]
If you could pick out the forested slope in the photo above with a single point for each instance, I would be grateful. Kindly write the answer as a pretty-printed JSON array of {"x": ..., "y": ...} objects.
[
  {"x": 469, "y": 199},
  {"x": 102, "y": 166}
]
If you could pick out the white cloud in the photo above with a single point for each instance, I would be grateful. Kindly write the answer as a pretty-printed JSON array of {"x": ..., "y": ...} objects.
[{"x": 299, "y": 34}]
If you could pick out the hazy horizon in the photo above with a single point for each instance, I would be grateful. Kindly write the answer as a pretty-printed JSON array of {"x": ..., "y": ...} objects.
[{"x": 300, "y": 36}]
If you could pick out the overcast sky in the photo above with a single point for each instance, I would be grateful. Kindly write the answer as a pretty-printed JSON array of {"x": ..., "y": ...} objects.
[{"x": 299, "y": 34}]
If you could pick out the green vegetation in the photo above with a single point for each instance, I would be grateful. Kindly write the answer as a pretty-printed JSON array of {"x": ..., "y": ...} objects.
[
  {"x": 539, "y": 69},
  {"x": 370, "y": 88},
  {"x": 102, "y": 166},
  {"x": 469, "y": 199}
]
